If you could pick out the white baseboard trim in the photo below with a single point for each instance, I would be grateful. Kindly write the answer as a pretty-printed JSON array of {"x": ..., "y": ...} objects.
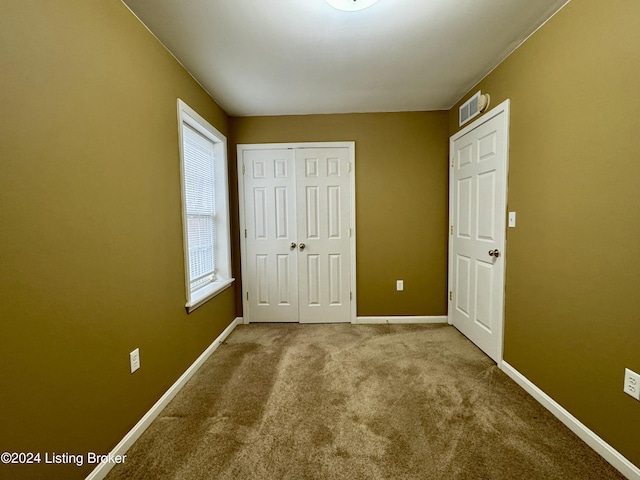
[
  {"x": 121, "y": 448},
  {"x": 399, "y": 320},
  {"x": 605, "y": 450}
]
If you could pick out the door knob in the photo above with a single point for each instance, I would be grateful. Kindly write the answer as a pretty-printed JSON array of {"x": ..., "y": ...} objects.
[
  {"x": 302, "y": 246},
  {"x": 293, "y": 245},
  {"x": 494, "y": 253}
]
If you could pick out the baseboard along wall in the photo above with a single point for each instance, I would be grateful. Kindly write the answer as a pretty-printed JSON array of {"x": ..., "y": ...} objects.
[
  {"x": 129, "y": 439},
  {"x": 399, "y": 320},
  {"x": 605, "y": 450}
]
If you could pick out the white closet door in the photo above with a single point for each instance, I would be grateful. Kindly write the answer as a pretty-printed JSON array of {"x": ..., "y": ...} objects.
[
  {"x": 271, "y": 244},
  {"x": 323, "y": 234}
]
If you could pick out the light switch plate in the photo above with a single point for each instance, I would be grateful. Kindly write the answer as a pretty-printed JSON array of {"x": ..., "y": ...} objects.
[{"x": 512, "y": 219}]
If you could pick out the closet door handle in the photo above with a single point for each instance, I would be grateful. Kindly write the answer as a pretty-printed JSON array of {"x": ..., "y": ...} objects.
[
  {"x": 302, "y": 246},
  {"x": 293, "y": 245}
]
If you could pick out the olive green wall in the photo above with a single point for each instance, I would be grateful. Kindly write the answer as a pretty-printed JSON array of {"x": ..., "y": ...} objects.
[
  {"x": 91, "y": 259},
  {"x": 572, "y": 319},
  {"x": 401, "y": 200}
]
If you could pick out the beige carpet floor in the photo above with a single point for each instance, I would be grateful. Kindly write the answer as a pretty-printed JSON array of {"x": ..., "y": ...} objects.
[{"x": 356, "y": 402}]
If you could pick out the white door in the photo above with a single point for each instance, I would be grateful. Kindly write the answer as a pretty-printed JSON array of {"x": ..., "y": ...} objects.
[
  {"x": 323, "y": 234},
  {"x": 271, "y": 268},
  {"x": 477, "y": 241},
  {"x": 297, "y": 220}
]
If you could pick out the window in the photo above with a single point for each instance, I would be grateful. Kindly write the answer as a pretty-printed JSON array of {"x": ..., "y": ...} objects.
[{"x": 205, "y": 207}]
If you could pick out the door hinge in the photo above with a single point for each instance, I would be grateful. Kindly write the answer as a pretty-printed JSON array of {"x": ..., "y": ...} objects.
[
  {"x": 349, "y": 166},
  {"x": 453, "y": 161},
  {"x": 349, "y": 232},
  {"x": 243, "y": 168},
  {"x": 247, "y": 296},
  {"x": 350, "y": 295},
  {"x": 245, "y": 233},
  {"x": 451, "y": 231},
  {"x": 450, "y": 295}
]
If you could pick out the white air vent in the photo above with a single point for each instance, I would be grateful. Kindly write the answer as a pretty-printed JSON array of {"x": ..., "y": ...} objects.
[{"x": 469, "y": 109}]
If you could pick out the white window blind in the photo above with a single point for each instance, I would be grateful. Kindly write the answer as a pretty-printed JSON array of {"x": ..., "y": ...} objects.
[{"x": 199, "y": 181}]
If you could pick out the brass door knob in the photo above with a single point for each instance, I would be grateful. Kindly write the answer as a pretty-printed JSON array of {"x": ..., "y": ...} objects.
[
  {"x": 293, "y": 245},
  {"x": 494, "y": 253},
  {"x": 302, "y": 246}
]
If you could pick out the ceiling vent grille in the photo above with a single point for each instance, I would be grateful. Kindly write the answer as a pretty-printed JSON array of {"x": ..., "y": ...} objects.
[{"x": 469, "y": 109}]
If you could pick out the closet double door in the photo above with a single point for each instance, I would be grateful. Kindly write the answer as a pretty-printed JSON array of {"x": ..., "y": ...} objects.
[{"x": 297, "y": 228}]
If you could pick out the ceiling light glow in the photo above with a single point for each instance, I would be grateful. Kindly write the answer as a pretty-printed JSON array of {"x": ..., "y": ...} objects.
[{"x": 351, "y": 5}]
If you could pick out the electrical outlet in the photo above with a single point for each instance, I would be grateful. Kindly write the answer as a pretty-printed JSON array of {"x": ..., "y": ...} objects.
[
  {"x": 134, "y": 359},
  {"x": 632, "y": 383},
  {"x": 399, "y": 285}
]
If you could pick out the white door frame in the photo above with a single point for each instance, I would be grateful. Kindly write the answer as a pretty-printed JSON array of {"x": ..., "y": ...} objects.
[
  {"x": 351, "y": 146},
  {"x": 504, "y": 107}
]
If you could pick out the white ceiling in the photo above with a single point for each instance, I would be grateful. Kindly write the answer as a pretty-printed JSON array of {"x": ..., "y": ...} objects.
[{"x": 277, "y": 57}]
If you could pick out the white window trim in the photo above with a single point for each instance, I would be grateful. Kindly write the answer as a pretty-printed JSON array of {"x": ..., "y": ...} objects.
[{"x": 224, "y": 277}]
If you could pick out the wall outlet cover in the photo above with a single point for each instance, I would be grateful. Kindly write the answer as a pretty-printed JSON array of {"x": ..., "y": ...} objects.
[
  {"x": 134, "y": 360},
  {"x": 632, "y": 383}
]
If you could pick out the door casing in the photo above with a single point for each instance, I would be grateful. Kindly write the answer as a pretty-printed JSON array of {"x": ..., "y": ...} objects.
[
  {"x": 352, "y": 212},
  {"x": 503, "y": 108}
]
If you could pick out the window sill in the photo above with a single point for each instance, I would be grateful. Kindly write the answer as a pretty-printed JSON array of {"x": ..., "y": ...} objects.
[{"x": 199, "y": 297}]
